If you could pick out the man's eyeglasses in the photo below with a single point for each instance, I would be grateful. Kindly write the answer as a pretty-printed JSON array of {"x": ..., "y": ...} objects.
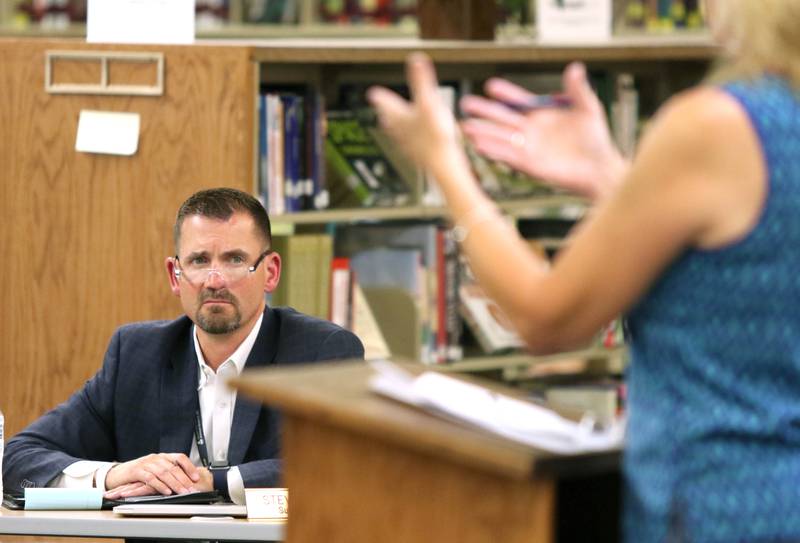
[{"x": 233, "y": 269}]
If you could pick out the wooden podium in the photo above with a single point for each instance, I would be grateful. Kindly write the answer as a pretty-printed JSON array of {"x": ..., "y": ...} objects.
[{"x": 362, "y": 468}]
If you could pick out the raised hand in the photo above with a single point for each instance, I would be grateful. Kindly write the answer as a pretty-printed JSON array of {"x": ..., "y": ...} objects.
[
  {"x": 568, "y": 147},
  {"x": 424, "y": 128},
  {"x": 163, "y": 473}
]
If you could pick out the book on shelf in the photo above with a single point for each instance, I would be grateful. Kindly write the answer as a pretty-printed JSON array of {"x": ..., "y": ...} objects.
[
  {"x": 293, "y": 159},
  {"x": 263, "y": 166},
  {"x": 394, "y": 284},
  {"x": 603, "y": 399},
  {"x": 305, "y": 275},
  {"x": 291, "y": 154},
  {"x": 502, "y": 182},
  {"x": 380, "y": 12},
  {"x": 408, "y": 171},
  {"x": 366, "y": 327},
  {"x": 270, "y": 11},
  {"x": 486, "y": 320},
  {"x": 315, "y": 150},
  {"x": 341, "y": 293},
  {"x": 450, "y": 323},
  {"x": 350, "y": 309},
  {"x": 660, "y": 15},
  {"x": 440, "y": 333},
  {"x": 359, "y": 172},
  {"x": 625, "y": 114},
  {"x": 590, "y": 391},
  {"x": 271, "y": 154}
]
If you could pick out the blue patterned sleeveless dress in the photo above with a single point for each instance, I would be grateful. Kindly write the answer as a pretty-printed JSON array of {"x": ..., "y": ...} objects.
[{"x": 713, "y": 443}]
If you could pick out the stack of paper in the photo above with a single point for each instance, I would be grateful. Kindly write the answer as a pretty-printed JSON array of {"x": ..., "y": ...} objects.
[{"x": 503, "y": 415}]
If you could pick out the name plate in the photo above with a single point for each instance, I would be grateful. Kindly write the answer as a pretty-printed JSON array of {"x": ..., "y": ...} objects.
[{"x": 267, "y": 503}]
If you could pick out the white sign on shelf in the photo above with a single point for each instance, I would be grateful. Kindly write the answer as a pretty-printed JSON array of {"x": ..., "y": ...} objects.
[
  {"x": 573, "y": 20},
  {"x": 140, "y": 21},
  {"x": 108, "y": 132}
]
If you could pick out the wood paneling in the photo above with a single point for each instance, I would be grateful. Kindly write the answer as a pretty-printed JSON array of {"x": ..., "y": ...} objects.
[{"x": 84, "y": 236}]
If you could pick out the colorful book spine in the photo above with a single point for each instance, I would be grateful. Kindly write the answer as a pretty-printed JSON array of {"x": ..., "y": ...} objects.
[
  {"x": 341, "y": 293},
  {"x": 292, "y": 112}
]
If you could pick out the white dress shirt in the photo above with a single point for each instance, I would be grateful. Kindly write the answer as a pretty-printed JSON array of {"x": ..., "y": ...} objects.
[{"x": 217, "y": 402}]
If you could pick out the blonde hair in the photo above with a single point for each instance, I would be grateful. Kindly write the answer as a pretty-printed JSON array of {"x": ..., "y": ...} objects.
[{"x": 757, "y": 36}]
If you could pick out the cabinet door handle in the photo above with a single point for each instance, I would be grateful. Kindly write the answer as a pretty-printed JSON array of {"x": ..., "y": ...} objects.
[{"x": 105, "y": 86}]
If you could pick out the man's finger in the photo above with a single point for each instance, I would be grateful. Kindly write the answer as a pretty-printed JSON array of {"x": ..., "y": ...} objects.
[
  {"x": 140, "y": 490},
  {"x": 181, "y": 478},
  {"x": 117, "y": 492},
  {"x": 170, "y": 474},
  {"x": 152, "y": 479},
  {"x": 188, "y": 468}
]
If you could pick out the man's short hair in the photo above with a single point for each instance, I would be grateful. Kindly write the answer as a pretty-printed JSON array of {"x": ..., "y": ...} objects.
[{"x": 222, "y": 203}]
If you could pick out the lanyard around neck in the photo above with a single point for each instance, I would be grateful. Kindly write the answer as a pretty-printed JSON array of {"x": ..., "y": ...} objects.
[{"x": 200, "y": 439}]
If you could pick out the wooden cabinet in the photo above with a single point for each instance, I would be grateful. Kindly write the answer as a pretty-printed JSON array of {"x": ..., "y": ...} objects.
[{"x": 84, "y": 235}]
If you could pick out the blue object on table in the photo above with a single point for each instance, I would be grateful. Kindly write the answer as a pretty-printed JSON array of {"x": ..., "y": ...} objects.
[{"x": 63, "y": 498}]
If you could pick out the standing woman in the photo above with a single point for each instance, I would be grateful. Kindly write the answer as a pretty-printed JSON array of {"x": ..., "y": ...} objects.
[{"x": 697, "y": 241}]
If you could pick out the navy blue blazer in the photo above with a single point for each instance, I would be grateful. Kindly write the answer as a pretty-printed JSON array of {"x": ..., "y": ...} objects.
[{"x": 143, "y": 400}]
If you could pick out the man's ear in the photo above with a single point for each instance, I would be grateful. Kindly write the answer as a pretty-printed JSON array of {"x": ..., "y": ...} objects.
[
  {"x": 272, "y": 264},
  {"x": 174, "y": 280}
]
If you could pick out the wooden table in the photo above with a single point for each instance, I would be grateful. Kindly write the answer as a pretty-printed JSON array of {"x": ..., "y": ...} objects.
[{"x": 110, "y": 525}]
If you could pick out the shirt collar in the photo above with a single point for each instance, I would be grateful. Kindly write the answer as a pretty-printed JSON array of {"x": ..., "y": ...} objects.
[{"x": 239, "y": 356}]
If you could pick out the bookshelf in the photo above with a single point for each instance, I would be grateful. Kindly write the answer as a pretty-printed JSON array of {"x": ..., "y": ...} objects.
[
  {"x": 663, "y": 60},
  {"x": 86, "y": 244}
]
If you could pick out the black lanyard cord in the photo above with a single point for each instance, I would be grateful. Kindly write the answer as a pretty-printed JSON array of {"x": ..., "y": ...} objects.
[{"x": 200, "y": 438}]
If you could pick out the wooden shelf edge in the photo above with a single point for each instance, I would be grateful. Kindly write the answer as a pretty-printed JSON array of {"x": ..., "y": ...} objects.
[
  {"x": 569, "y": 206},
  {"x": 629, "y": 47},
  {"x": 502, "y": 362}
]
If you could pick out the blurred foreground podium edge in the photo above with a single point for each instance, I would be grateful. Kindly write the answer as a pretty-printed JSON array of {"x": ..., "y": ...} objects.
[{"x": 363, "y": 468}]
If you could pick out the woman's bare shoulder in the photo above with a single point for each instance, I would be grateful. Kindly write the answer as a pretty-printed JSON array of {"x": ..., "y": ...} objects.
[
  {"x": 701, "y": 112},
  {"x": 704, "y": 145}
]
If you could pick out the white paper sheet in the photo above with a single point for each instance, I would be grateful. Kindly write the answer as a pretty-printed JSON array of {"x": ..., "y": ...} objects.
[
  {"x": 140, "y": 21},
  {"x": 509, "y": 417},
  {"x": 108, "y": 132}
]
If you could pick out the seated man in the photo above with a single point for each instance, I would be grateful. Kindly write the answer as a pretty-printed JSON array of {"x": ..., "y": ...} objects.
[{"x": 158, "y": 414}]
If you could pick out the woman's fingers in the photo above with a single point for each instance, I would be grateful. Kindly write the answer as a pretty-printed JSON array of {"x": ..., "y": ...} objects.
[
  {"x": 476, "y": 106},
  {"x": 577, "y": 87},
  {"x": 421, "y": 77},
  {"x": 391, "y": 107},
  {"x": 506, "y": 91}
]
